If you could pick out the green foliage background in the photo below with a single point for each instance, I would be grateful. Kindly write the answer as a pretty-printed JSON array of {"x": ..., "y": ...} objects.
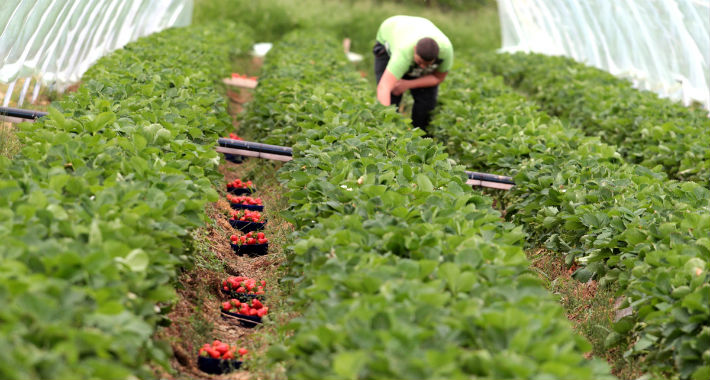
[{"x": 471, "y": 25}]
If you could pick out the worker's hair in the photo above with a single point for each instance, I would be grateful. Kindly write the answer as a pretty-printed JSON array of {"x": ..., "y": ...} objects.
[{"x": 428, "y": 49}]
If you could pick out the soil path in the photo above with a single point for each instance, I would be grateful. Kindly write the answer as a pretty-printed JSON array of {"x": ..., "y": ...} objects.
[{"x": 196, "y": 317}]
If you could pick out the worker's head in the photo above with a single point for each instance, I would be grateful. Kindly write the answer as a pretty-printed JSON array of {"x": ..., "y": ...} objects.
[{"x": 426, "y": 52}]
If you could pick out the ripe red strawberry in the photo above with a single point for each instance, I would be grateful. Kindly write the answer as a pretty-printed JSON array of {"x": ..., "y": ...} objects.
[
  {"x": 260, "y": 235},
  {"x": 226, "y": 306},
  {"x": 243, "y": 351},
  {"x": 213, "y": 353},
  {"x": 263, "y": 241},
  {"x": 234, "y": 238},
  {"x": 222, "y": 348},
  {"x": 233, "y": 282}
]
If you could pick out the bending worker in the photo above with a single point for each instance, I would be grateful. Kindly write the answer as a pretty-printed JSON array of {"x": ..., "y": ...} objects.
[{"x": 411, "y": 53}]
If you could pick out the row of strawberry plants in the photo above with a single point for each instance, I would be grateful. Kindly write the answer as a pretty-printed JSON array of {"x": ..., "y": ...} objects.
[
  {"x": 96, "y": 210},
  {"x": 399, "y": 270},
  {"x": 647, "y": 130},
  {"x": 624, "y": 223}
]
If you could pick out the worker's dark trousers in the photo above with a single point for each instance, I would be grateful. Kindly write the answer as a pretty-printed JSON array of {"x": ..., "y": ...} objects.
[{"x": 424, "y": 98}]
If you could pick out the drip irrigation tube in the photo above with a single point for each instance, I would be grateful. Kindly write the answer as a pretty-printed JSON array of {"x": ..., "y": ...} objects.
[{"x": 21, "y": 113}]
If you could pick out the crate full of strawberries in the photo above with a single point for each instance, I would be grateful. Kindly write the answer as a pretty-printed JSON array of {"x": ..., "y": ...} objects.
[
  {"x": 219, "y": 357},
  {"x": 252, "y": 244}
]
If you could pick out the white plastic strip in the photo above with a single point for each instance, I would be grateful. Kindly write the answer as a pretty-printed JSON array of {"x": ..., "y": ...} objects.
[
  {"x": 660, "y": 45},
  {"x": 23, "y": 92},
  {"x": 8, "y": 94},
  {"x": 35, "y": 92}
]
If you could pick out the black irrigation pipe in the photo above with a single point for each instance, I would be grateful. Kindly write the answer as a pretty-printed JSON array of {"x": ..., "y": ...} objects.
[
  {"x": 490, "y": 177},
  {"x": 287, "y": 151},
  {"x": 21, "y": 113},
  {"x": 255, "y": 147}
]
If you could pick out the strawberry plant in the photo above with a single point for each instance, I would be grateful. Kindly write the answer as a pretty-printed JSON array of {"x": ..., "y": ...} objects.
[
  {"x": 399, "y": 270},
  {"x": 646, "y": 129},
  {"x": 96, "y": 210},
  {"x": 621, "y": 223}
]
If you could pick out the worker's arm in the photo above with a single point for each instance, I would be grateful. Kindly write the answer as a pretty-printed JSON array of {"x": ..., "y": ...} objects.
[
  {"x": 384, "y": 88},
  {"x": 430, "y": 80}
]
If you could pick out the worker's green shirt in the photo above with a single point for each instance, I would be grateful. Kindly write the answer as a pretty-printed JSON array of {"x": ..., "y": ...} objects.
[{"x": 400, "y": 35}]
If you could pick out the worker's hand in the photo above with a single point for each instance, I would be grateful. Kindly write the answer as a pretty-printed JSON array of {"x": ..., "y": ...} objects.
[
  {"x": 384, "y": 88},
  {"x": 399, "y": 88}
]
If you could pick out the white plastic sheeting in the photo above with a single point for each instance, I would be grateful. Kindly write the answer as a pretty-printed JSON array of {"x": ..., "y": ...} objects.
[
  {"x": 59, "y": 40},
  {"x": 660, "y": 45}
]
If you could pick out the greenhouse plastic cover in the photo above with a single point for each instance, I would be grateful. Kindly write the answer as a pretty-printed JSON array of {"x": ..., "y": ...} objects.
[
  {"x": 60, "y": 40},
  {"x": 660, "y": 45}
]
